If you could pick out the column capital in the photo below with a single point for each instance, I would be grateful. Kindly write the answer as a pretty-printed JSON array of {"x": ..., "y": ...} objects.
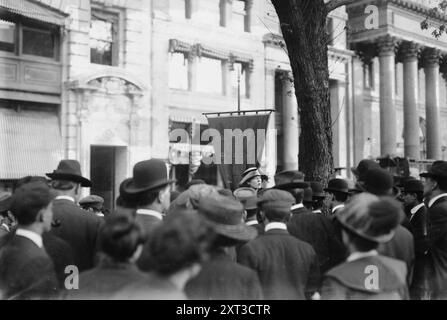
[
  {"x": 387, "y": 45},
  {"x": 431, "y": 57},
  {"x": 365, "y": 51},
  {"x": 410, "y": 51},
  {"x": 248, "y": 4}
]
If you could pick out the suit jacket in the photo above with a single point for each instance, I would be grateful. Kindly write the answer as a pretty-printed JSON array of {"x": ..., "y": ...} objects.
[
  {"x": 148, "y": 224},
  {"x": 436, "y": 244},
  {"x": 223, "y": 279},
  {"x": 108, "y": 280},
  {"x": 26, "y": 271},
  {"x": 318, "y": 231},
  {"x": 401, "y": 247},
  {"x": 60, "y": 253},
  {"x": 347, "y": 281},
  {"x": 79, "y": 229},
  {"x": 287, "y": 267}
]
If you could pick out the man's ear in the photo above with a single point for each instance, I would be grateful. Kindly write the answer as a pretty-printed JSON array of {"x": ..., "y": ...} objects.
[{"x": 40, "y": 214}]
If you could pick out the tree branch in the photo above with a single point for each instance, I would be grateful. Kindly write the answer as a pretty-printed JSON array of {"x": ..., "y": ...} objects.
[{"x": 334, "y": 4}]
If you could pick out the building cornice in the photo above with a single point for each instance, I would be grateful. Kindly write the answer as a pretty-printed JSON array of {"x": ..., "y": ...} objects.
[{"x": 421, "y": 9}]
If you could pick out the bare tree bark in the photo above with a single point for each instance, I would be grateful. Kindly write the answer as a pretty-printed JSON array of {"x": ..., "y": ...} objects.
[{"x": 303, "y": 24}]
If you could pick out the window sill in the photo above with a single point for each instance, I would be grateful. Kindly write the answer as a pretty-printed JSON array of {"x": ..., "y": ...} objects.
[{"x": 29, "y": 58}]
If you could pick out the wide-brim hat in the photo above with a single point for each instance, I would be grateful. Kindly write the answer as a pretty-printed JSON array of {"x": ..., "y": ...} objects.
[
  {"x": 147, "y": 175},
  {"x": 437, "y": 170},
  {"x": 249, "y": 174},
  {"x": 5, "y": 201},
  {"x": 69, "y": 170},
  {"x": 292, "y": 179},
  {"x": 225, "y": 216},
  {"x": 338, "y": 185}
]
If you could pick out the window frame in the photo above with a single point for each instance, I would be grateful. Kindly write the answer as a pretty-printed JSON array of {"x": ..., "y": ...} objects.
[{"x": 116, "y": 16}]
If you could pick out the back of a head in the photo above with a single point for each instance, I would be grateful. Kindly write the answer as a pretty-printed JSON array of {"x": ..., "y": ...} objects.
[
  {"x": 379, "y": 182},
  {"x": 120, "y": 237},
  {"x": 276, "y": 205},
  {"x": 181, "y": 241},
  {"x": 28, "y": 200},
  {"x": 29, "y": 179}
]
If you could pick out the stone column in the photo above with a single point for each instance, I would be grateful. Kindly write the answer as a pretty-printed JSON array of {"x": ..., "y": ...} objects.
[
  {"x": 248, "y": 14},
  {"x": 289, "y": 124},
  {"x": 388, "y": 131},
  {"x": 192, "y": 68},
  {"x": 431, "y": 68},
  {"x": 226, "y": 12},
  {"x": 411, "y": 98}
]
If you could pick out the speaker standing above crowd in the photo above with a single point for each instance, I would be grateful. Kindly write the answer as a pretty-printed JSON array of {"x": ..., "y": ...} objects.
[{"x": 371, "y": 238}]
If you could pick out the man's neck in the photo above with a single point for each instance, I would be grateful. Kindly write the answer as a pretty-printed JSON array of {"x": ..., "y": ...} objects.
[
  {"x": 435, "y": 193},
  {"x": 153, "y": 207},
  {"x": 35, "y": 227},
  {"x": 70, "y": 194}
]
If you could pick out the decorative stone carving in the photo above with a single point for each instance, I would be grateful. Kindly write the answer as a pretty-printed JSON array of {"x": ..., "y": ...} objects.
[
  {"x": 410, "y": 51},
  {"x": 387, "y": 45},
  {"x": 430, "y": 57},
  {"x": 113, "y": 85}
]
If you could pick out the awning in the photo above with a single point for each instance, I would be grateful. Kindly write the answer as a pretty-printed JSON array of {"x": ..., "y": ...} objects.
[
  {"x": 30, "y": 143},
  {"x": 33, "y": 10}
]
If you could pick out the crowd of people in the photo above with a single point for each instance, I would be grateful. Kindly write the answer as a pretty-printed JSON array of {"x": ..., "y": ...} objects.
[{"x": 371, "y": 238}]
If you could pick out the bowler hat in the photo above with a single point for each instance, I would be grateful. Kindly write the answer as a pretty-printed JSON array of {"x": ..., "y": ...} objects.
[
  {"x": 317, "y": 190},
  {"x": 363, "y": 167},
  {"x": 5, "y": 201},
  {"x": 70, "y": 170},
  {"x": 249, "y": 174},
  {"x": 371, "y": 217},
  {"x": 147, "y": 175},
  {"x": 225, "y": 216},
  {"x": 379, "y": 182},
  {"x": 292, "y": 179},
  {"x": 247, "y": 196},
  {"x": 413, "y": 186},
  {"x": 338, "y": 185},
  {"x": 437, "y": 170}
]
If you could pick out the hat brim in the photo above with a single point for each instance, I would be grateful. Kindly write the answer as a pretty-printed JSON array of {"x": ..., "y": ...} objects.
[
  {"x": 129, "y": 187},
  {"x": 86, "y": 183},
  {"x": 379, "y": 239},
  {"x": 291, "y": 185},
  {"x": 240, "y": 232},
  {"x": 335, "y": 190}
]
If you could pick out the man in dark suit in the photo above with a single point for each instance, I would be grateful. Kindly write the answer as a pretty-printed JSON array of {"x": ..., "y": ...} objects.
[
  {"x": 435, "y": 192},
  {"x": 148, "y": 191},
  {"x": 313, "y": 228},
  {"x": 26, "y": 270},
  {"x": 220, "y": 277},
  {"x": 77, "y": 227},
  {"x": 287, "y": 267},
  {"x": 339, "y": 190}
]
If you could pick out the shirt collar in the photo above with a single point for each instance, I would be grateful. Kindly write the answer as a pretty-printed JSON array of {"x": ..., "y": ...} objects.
[
  {"x": 432, "y": 201},
  {"x": 34, "y": 237},
  {"x": 65, "y": 198},
  {"x": 360, "y": 255},
  {"x": 252, "y": 223},
  {"x": 416, "y": 209},
  {"x": 275, "y": 225},
  {"x": 297, "y": 206},
  {"x": 147, "y": 212},
  {"x": 317, "y": 211},
  {"x": 337, "y": 207}
]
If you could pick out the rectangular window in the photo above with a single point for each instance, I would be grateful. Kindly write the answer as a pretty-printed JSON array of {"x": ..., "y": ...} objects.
[
  {"x": 239, "y": 74},
  {"x": 209, "y": 75},
  {"x": 178, "y": 71},
  {"x": 7, "y": 36},
  {"x": 104, "y": 38},
  {"x": 38, "y": 42},
  {"x": 238, "y": 18}
]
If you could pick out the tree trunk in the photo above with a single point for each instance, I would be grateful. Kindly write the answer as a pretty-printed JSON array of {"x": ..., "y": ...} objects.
[{"x": 303, "y": 24}]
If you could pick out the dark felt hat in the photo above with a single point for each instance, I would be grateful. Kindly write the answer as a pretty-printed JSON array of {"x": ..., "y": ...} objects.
[
  {"x": 307, "y": 197},
  {"x": 363, "y": 167},
  {"x": 226, "y": 217},
  {"x": 413, "y": 186},
  {"x": 147, "y": 175},
  {"x": 379, "y": 182},
  {"x": 70, "y": 170},
  {"x": 292, "y": 179},
  {"x": 317, "y": 190},
  {"x": 338, "y": 185},
  {"x": 437, "y": 170}
]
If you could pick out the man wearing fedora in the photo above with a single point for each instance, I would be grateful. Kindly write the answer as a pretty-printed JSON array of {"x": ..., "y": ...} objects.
[
  {"x": 148, "y": 191},
  {"x": 315, "y": 229},
  {"x": 339, "y": 190},
  {"x": 367, "y": 221},
  {"x": 26, "y": 270},
  {"x": 77, "y": 227},
  {"x": 318, "y": 196},
  {"x": 435, "y": 193},
  {"x": 287, "y": 267},
  {"x": 379, "y": 182},
  {"x": 221, "y": 278}
]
